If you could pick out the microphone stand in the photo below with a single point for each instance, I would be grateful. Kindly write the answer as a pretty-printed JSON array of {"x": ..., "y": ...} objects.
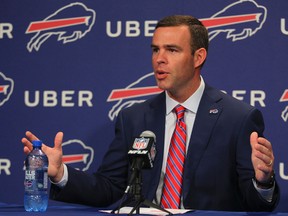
[{"x": 136, "y": 196}]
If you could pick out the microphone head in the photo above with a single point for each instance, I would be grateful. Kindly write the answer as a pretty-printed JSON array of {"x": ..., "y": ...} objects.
[
  {"x": 148, "y": 133},
  {"x": 143, "y": 148}
]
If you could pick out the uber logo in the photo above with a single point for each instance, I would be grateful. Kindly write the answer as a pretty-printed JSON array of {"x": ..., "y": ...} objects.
[
  {"x": 6, "y": 30},
  {"x": 66, "y": 98}
]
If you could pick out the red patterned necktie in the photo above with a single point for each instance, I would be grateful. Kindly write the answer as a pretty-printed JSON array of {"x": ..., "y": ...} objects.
[{"x": 171, "y": 195}]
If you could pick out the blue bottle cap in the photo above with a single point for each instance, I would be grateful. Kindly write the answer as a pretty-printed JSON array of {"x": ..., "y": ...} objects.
[{"x": 37, "y": 143}]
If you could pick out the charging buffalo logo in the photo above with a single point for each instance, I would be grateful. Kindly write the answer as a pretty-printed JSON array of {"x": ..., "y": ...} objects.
[
  {"x": 62, "y": 25},
  {"x": 228, "y": 20},
  {"x": 6, "y": 88},
  {"x": 77, "y": 154},
  {"x": 284, "y": 98},
  {"x": 133, "y": 93},
  {"x": 237, "y": 26}
]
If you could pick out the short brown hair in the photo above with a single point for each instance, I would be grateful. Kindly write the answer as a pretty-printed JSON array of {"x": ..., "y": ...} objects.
[{"x": 198, "y": 32}]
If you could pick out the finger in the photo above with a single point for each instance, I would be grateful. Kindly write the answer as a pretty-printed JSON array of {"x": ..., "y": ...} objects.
[
  {"x": 266, "y": 159},
  {"x": 58, "y": 140},
  {"x": 260, "y": 144},
  {"x": 270, "y": 163},
  {"x": 262, "y": 150},
  {"x": 26, "y": 150},
  {"x": 253, "y": 139},
  {"x": 264, "y": 142},
  {"x": 31, "y": 136},
  {"x": 27, "y": 145},
  {"x": 266, "y": 150},
  {"x": 28, "y": 141}
]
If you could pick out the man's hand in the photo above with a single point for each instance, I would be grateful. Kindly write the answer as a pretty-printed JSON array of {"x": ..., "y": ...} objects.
[
  {"x": 262, "y": 157},
  {"x": 55, "y": 167}
]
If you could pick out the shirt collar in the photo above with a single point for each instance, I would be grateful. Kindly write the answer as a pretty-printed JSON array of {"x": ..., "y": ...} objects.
[{"x": 191, "y": 103}]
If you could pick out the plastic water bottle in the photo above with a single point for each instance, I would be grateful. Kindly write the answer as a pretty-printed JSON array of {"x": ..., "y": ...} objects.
[{"x": 36, "y": 179}]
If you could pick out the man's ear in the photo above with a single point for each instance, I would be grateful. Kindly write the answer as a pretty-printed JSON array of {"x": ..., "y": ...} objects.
[{"x": 199, "y": 57}]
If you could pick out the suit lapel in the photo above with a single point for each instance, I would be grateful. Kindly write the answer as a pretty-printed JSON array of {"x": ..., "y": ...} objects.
[
  {"x": 208, "y": 112},
  {"x": 155, "y": 121}
]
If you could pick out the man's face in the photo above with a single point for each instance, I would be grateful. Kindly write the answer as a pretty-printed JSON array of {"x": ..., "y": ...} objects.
[{"x": 173, "y": 62}]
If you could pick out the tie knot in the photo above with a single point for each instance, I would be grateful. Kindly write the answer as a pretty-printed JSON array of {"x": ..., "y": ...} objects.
[{"x": 180, "y": 110}]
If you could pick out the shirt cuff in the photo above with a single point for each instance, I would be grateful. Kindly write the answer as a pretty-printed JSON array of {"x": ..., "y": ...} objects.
[
  {"x": 64, "y": 179},
  {"x": 267, "y": 194}
]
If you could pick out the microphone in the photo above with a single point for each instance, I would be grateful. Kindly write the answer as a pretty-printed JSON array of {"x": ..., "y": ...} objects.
[
  {"x": 141, "y": 154},
  {"x": 143, "y": 151}
]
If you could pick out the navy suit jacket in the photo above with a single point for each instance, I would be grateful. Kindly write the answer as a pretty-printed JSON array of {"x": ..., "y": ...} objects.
[{"x": 218, "y": 169}]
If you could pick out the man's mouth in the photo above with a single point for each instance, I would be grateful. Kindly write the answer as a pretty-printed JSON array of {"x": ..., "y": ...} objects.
[{"x": 161, "y": 75}]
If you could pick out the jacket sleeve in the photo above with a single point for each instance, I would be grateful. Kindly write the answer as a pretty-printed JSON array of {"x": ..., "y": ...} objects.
[
  {"x": 103, "y": 187},
  {"x": 251, "y": 198}
]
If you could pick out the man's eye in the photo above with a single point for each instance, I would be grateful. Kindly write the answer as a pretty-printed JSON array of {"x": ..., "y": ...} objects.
[
  {"x": 172, "y": 50},
  {"x": 155, "y": 50}
]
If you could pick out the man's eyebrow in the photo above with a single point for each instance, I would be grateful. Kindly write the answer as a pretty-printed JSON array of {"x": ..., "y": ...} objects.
[
  {"x": 172, "y": 46},
  {"x": 167, "y": 46}
]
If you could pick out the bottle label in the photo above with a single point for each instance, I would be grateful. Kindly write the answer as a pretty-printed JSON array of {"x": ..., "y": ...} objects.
[{"x": 36, "y": 180}]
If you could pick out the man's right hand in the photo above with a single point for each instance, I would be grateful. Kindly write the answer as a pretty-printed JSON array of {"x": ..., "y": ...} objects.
[{"x": 55, "y": 167}]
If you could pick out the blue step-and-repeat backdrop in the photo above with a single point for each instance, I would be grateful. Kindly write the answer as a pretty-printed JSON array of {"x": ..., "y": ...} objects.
[{"x": 71, "y": 66}]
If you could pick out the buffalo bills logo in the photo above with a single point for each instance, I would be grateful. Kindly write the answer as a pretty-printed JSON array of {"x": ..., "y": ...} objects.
[
  {"x": 136, "y": 92},
  {"x": 68, "y": 24},
  {"x": 77, "y": 154},
  {"x": 237, "y": 26},
  {"x": 6, "y": 88}
]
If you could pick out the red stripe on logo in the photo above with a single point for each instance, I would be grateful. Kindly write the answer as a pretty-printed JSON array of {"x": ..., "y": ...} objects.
[
  {"x": 228, "y": 20},
  {"x": 74, "y": 158},
  {"x": 118, "y": 94},
  {"x": 58, "y": 23}
]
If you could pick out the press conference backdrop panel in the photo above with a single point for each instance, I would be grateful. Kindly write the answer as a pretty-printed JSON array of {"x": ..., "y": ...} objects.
[{"x": 71, "y": 66}]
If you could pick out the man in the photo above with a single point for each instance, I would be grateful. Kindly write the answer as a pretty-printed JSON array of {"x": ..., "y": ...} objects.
[{"x": 228, "y": 165}]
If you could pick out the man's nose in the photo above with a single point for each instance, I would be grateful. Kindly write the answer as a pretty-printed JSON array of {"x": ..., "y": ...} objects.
[{"x": 161, "y": 58}]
